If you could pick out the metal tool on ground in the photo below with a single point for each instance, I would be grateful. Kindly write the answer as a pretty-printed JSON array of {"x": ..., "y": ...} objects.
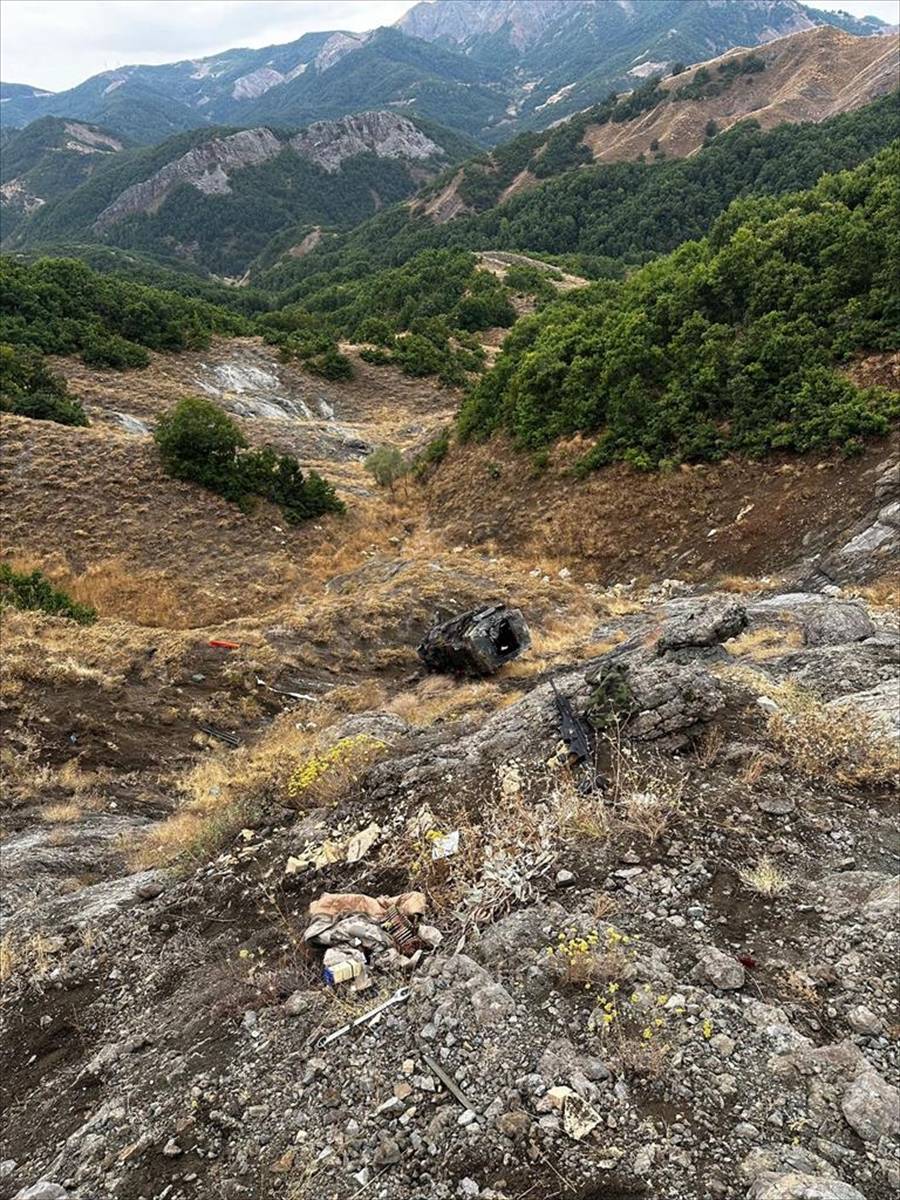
[
  {"x": 229, "y": 738},
  {"x": 449, "y": 1083},
  {"x": 573, "y": 730},
  {"x": 398, "y": 997}
]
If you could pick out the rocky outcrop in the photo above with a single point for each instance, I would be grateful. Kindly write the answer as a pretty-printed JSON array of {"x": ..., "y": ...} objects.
[
  {"x": 327, "y": 144},
  {"x": 703, "y": 625},
  {"x": 86, "y": 139},
  {"x": 387, "y": 135},
  {"x": 257, "y": 83},
  {"x": 205, "y": 168}
]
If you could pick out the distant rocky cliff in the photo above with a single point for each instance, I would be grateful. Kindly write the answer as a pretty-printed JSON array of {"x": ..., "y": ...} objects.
[{"x": 327, "y": 144}]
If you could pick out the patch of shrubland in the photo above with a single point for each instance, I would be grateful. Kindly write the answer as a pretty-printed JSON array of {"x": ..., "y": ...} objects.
[
  {"x": 200, "y": 443},
  {"x": 727, "y": 345},
  {"x": 29, "y": 389}
]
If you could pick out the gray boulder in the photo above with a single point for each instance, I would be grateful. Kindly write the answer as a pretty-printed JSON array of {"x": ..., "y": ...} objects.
[
  {"x": 836, "y": 622},
  {"x": 704, "y": 624},
  {"x": 719, "y": 969},
  {"x": 871, "y": 1107}
]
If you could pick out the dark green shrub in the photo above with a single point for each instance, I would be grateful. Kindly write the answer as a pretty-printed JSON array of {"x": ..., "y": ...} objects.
[
  {"x": 331, "y": 365},
  {"x": 436, "y": 450},
  {"x": 29, "y": 389},
  {"x": 109, "y": 350},
  {"x": 33, "y": 590},
  {"x": 374, "y": 329},
  {"x": 200, "y": 443},
  {"x": 484, "y": 310},
  {"x": 376, "y": 356},
  {"x": 417, "y": 355},
  {"x": 278, "y": 479}
]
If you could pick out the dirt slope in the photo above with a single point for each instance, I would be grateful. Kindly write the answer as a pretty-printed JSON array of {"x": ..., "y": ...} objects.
[
  {"x": 161, "y": 1017},
  {"x": 808, "y": 77},
  {"x": 749, "y": 518}
]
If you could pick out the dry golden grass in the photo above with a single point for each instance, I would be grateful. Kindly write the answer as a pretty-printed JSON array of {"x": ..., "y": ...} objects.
[
  {"x": 560, "y": 640},
  {"x": 800, "y": 987},
  {"x": 61, "y": 813},
  {"x": 620, "y": 606},
  {"x": 647, "y": 790},
  {"x": 364, "y": 696},
  {"x": 32, "y": 955},
  {"x": 744, "y": 585},
  {"x": 115, "y": 588},
  {"x": 882, "y": 593},
  {"x": 766, "y": 878},
  {"x": 764, "y": 642},
  {"x": 221, "y": 794},
  {"x": 9, "y": 958},
  {"x": 31, "y": 781},
  {"x": 754, "y": 770},
  {"x": 604, "y": 906},
  {"x": 578, "y": 815},
  {"x": 442, "y": 698},
  {"x": 837, "y": 742},
  {"x": 709, "y": 746}
]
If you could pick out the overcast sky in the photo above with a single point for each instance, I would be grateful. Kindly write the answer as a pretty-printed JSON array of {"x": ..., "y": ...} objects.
[{"x": 58, "y": 43}]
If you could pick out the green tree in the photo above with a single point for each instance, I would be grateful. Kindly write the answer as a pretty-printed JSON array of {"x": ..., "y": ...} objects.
[
  {"x": 199, "y": 442},
  {"x": 386, "y": 465}
]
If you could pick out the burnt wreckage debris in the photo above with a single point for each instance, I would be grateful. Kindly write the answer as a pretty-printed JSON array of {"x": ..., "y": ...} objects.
[{"x": 477, "y": 643}]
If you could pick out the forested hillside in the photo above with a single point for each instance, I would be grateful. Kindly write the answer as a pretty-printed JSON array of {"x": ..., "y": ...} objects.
[
  {"x": 48, "y": 159},
  {"x": 61, "y": 306},
  {"x": 611, "y": 211},
  {"x": 727, "y": 344},
  {"x": 216, "y": 199}
]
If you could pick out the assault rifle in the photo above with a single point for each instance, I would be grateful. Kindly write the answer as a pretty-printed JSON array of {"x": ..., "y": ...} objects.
[{"x": 573, "y": 730}]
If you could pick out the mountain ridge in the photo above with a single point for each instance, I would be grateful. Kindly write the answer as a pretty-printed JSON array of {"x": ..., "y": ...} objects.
[
  {"x": 807, "y": 76},
  {"x": 541, "y": 62},
  {"x": 215, "y": 196}
]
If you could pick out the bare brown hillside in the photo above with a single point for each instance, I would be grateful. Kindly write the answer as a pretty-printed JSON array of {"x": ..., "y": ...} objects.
[
  {"x": 809, "y": 76},
  {"x": 702, "y": 521}
]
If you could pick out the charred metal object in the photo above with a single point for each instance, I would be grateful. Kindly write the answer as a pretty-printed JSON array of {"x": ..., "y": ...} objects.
[{"x": 477, "y": 642}]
